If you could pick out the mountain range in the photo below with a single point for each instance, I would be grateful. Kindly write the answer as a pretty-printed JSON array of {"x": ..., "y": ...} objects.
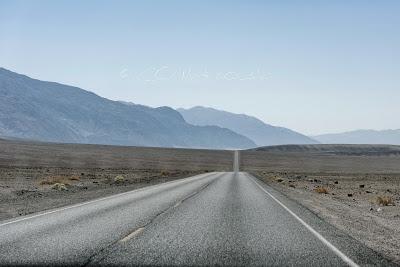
[
  {"x": 53, "y": 112},
  {"x": 49, "y": 111},
  {"x": 390, "y": 137},
  {"x": 261, "y": 133}
]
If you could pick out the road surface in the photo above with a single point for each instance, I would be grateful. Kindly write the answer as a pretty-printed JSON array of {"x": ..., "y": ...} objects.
[{"x": 227, "y": 218}]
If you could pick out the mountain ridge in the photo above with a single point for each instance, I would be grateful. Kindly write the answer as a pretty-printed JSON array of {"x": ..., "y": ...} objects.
[
  {"x": 261, "y": 133},
  {"x": 54, "y": 112}
]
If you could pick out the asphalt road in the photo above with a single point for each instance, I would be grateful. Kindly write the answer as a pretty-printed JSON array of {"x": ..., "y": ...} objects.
[{"x": 226, "y": 218}]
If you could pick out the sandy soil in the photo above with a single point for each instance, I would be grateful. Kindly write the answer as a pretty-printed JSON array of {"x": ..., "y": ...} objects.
[
  {"x": 78, "y": 156},
  {"x": 319, "y": 162},
  {"x": 351, "y": 203},
  {"x": 36, "y": 176},
  {"x": 25, "y": 190}
]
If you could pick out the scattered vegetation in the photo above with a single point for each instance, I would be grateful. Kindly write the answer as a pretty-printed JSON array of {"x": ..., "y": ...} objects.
[
  {"x": 321, "y": 190},
  {"x": 385, "y": 201},
  {"x": 119, "y": 179},
  {"x": 165, "y": 173},
  {"x": 59, "y": 187}
]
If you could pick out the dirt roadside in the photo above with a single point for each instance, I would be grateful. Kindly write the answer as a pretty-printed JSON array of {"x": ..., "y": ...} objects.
[
  {"x": 365, "y": 206},
  {"x": 25, "y": 190},
  {"x": 36, "y": 176}
]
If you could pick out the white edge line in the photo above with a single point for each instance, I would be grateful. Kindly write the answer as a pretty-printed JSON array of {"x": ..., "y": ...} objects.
[
  {"x": 314, "y": 232},
  {"x": 203, "y": 175}
]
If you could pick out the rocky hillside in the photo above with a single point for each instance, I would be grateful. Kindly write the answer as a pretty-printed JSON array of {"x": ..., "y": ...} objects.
[{"x": 49, "y": 111}]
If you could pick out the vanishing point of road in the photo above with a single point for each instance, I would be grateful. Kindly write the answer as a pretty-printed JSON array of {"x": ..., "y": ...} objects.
[{"x": 220, "y": 218}]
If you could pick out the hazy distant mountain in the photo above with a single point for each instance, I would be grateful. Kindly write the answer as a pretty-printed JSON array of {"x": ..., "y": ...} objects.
[
  {"x": 390, "y": 137},
  {"x": 49, "y": 111},
  {"x": 335, "y": 149},
  {"x": 261, "y": 133}
]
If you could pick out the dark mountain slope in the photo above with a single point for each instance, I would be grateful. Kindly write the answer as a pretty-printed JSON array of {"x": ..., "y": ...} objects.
[{"x": 55, "y": 112}]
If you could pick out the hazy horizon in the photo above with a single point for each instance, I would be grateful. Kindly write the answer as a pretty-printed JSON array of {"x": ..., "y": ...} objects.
[{"x": 311, "y": 67}]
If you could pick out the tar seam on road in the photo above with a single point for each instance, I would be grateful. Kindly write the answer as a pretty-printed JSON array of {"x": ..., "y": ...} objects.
[
  {"x": 98, "y": 200},
  {"x": 314, "y": 232},
  {"x": 140, "y": 229},
  {"x": 132, "y": 235}
]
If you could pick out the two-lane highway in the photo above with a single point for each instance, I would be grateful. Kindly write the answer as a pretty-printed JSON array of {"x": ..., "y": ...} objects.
[
  {"x": 211, "y": 219},
  {"x": 72, "y": 235}
]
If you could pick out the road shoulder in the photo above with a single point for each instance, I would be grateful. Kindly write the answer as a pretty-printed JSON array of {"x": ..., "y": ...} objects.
[{"x": 341, "y": 237}]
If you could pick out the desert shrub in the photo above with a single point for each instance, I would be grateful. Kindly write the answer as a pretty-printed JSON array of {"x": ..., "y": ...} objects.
[
  {"x": 59, "y": 187},
  {"x": 321, "y": 190},
  {"x": 279, "y": 180},
  {"x": 165, "y": 173},
  {"x": 385, "y": 201},
  {"x": 119, "y": 179}
]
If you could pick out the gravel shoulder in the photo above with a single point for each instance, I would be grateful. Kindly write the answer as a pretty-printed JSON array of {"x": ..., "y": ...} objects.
[
  {"x": 25, "y": 190},
  {"x": 365, "y": 206}
]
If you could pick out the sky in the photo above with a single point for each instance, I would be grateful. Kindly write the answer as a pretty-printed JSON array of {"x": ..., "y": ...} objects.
[{"x": 312, "y": 66}]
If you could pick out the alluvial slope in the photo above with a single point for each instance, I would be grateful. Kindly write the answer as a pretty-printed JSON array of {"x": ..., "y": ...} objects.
[
  {"x": 354, "y": 149},
  {"x": 391, "y": 137}
]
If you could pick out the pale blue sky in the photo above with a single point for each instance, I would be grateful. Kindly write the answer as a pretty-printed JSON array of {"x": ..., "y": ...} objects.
[{"x": 313, "y": 66}]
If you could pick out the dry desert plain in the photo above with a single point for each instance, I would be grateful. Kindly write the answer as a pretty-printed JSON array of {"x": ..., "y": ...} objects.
[
  {"x": 355, "y": 188},
  {"x": 35, "y": 176}
]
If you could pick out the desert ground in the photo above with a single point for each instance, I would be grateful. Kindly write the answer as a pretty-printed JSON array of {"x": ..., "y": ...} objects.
[
  {"x": 356, "y": 189},
  {"x": 358, "y": 192},
  {"x": 38, "y": 176}
]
